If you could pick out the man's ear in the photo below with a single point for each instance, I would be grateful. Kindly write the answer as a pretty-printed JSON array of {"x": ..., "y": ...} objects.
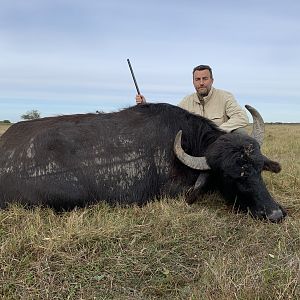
[{"x": 271, "y": 166}]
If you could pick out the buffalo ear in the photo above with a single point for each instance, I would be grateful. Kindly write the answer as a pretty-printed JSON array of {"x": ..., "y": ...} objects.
[{"x": 271, "y": 166}]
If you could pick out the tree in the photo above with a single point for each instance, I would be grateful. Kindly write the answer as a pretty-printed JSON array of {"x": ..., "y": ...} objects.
[{"x": 31, "y": 115}]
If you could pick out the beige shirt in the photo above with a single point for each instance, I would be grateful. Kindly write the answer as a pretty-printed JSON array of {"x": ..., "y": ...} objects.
[{"x": 219, "y": 106}]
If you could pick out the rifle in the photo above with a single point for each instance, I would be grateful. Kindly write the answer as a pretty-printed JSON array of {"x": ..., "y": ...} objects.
[{"x": 133, "y": 77}]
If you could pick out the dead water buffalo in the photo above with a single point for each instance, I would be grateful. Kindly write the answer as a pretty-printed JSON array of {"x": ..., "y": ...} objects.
[{"x": 133, "y": 156}]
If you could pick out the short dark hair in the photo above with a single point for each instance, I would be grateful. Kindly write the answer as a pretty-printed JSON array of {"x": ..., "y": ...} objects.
[{"x": 203, "y": 67}]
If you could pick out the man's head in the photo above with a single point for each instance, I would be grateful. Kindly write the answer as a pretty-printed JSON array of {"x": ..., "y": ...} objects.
[{"x": 202, "y": 79}]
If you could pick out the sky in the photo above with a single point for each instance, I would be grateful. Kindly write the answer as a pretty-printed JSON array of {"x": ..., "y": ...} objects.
[{"x": 64, "y": 57}]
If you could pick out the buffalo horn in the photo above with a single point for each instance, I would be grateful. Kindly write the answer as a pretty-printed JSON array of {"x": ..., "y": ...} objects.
[
  {"x": 258, "y": 125},
  {"x": 198, "y": 163}
]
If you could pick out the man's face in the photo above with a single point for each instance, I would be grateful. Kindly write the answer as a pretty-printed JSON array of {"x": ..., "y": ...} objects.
[{"x": 202, "y": 82}]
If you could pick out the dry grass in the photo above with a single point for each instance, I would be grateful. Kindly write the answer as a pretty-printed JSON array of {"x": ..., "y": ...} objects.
[
  {"x": 166, "y": 250},
  {"x": 3, "y": 127}
]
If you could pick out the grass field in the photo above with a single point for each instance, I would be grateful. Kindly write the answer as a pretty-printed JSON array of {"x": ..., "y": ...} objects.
[
  {"x": 3, "y": 127},
  {"x": 166, "y": 250}
]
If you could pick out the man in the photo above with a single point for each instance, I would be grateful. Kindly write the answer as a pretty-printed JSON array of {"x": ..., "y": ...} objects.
[{"x": 217, "y": 105}]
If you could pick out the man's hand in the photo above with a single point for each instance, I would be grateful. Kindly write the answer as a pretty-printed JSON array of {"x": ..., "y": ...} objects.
[{"x": 140, "y": 99}]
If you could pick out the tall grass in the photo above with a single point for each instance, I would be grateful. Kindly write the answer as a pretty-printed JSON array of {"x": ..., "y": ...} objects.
[{"x": 165, "y": 250}]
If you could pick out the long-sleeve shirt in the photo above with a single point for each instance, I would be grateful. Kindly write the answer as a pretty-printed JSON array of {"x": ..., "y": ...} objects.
[{"x": 219, "y": 106}]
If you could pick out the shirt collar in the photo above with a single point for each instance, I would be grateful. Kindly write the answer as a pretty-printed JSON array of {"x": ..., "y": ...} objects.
[{"x": 206, "y": 98}]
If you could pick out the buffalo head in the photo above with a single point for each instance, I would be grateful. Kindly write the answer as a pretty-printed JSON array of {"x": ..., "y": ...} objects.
[{"x": 234, "y": 163}]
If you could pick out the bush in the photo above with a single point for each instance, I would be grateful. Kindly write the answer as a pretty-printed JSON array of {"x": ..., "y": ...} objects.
[{"x": 31, "y": 115}]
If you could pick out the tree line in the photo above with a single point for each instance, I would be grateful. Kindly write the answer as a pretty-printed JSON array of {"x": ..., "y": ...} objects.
[{"x": 29, "y": 115}]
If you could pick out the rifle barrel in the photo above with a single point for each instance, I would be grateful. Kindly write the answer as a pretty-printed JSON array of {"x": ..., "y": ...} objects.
[{"x": 133, "y": 77}]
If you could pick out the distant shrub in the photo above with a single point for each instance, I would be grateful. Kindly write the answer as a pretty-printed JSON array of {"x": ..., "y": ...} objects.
[
  {"x": 6, "y": 121},
  {"x": 31, "y": 115}
]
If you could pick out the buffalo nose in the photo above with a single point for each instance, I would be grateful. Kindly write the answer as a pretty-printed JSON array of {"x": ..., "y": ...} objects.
[{"x": 276, "y": 216}]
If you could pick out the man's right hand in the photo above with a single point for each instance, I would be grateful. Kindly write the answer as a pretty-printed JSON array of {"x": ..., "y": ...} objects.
[{"x": 140, "y": 99}]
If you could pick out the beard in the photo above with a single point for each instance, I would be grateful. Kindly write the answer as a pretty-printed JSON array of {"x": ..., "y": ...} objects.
[{"x": 202, "y": 92}]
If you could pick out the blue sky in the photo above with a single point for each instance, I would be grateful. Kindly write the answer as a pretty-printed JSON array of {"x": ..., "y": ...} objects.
[{"x": 63, "y": 57}]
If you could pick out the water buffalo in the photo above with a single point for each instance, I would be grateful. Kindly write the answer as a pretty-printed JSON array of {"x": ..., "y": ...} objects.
[{"x": 133, "y": 156}]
